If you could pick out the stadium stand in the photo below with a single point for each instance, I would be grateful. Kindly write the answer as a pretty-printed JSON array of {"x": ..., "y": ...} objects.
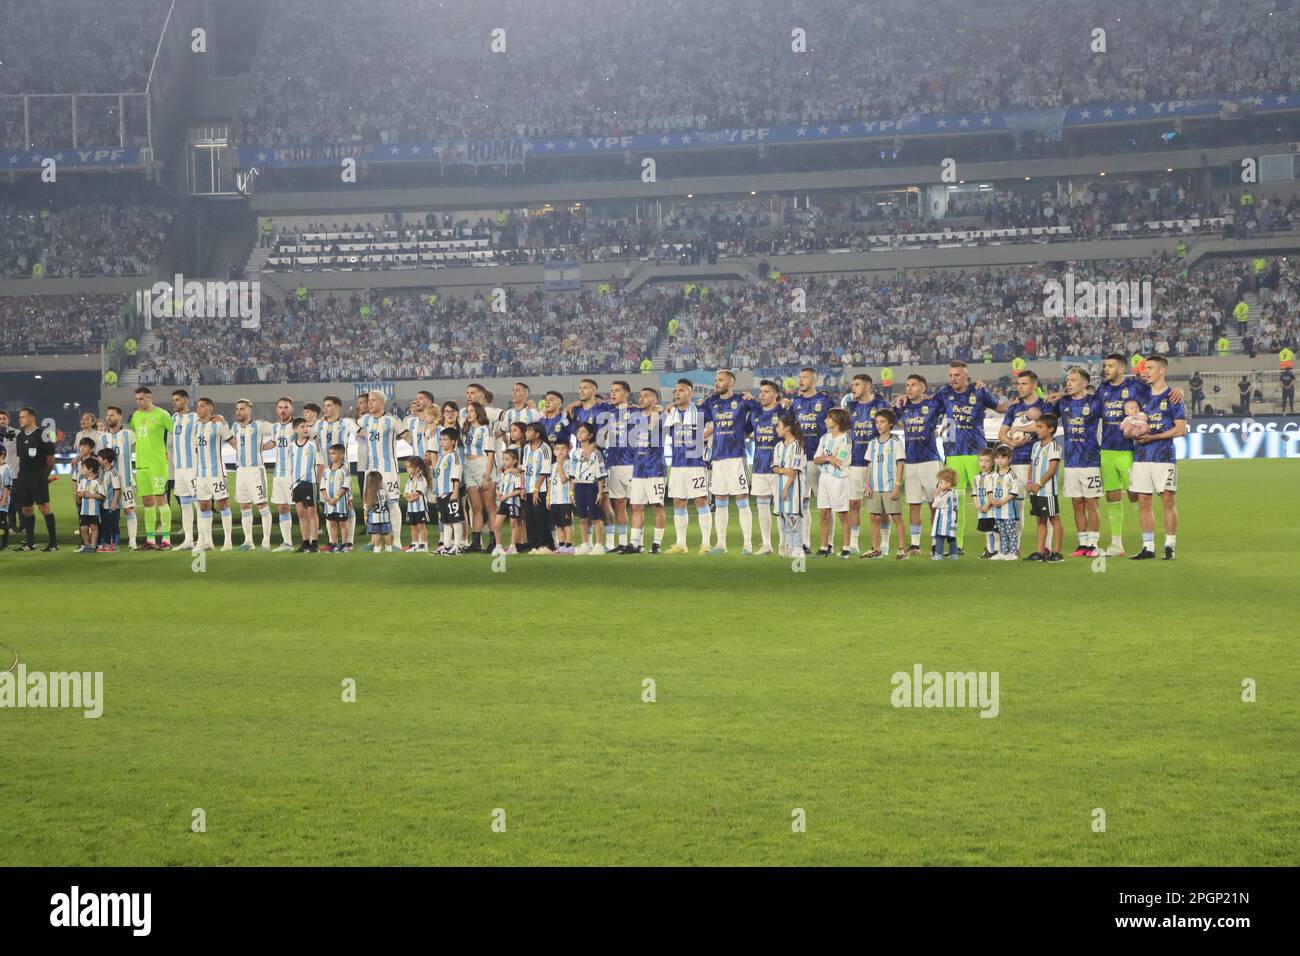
[
  {"x": 91, "y": 239},
  {"x": 572, "y": 68}
]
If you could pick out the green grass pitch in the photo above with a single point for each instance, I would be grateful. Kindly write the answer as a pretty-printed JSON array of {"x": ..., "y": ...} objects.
[{"x": 522, "y": 691}]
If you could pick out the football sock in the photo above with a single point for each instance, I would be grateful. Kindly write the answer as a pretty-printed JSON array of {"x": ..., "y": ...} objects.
[
  {"x": 746, "y": 523},
  {"x": 29, "y": 528},
  {"x": 132, "y": 523},
  {"x": 884, "y": 536},
  {"x": 226, "y": 524},
  {"x": 205, "y": 529},
  {"x": 265, "y": 514},
  {"x": 638, "y": 537},
  {"x": 680, "y": 523},
  {"x": 765, "y": 521},
  {"x": 395, "y": 519},
  {"x": 991, "y": 544},
  {"x": 1149, "y": 540},
  {"x": 854, "y": 534},
  {"x": 806, "y": 531},
  {"x": 721, "y": 518},
  {"x": 659, "y": 535},
  {"x": 49, "y": 526},
  {"x": 915, "y": 532},
  {"x": 1171, "y": 540},
  {"x": 246, "y": 522},
  {"x": 706, "y": 523},
  {"x": 620, "y": 534},
  {"x": 187, "y": 517},
  {"x": 286, "y": 529},
  {"x": 609, "y": 537}
]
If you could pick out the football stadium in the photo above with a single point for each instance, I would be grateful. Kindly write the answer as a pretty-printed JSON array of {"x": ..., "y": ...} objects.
[{"x": 477, "y": 433}]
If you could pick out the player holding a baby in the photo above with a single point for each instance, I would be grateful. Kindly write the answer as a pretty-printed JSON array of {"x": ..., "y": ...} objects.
[
  {"x": 1114, "y": 392},
  {"x": 1017, "y": 430}
]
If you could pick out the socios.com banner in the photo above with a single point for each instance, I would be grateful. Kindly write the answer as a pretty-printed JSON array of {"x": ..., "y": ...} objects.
[{"x": 1263, "y": 437}]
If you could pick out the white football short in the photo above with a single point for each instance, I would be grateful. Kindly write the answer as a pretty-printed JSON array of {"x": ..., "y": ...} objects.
[
  {"x": 1082, "y": 483},
  {"x": 281, "y": 491},
  {"x": 648, "y": 491},
  {"x": 833, "y": 493},
  {"x": 1153, "y": 477},
  {"x": 183, "y": 483},
  {"x": 250, "y": 485},
  {"x": 763, "y": 485},
  {"x": 688, "y": 483},
  {"x": 211, "y": 489},
  {"x": 729, "y": 477},
  {"x": 857, "y": 482},
  {"x": 920, "y": 481},
  {"x": 619, "y": 482}
]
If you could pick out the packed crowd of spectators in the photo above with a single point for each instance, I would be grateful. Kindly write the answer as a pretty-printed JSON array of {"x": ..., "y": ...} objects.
[
  {"x": 56, "y": 323},
  {"x": 581, "y": 67},
  {"x": 693, "y": 230},
  {"x": 91, "y": 239},
  {"x": 922, "y": 318},
  {"x": 994, "y": 316},
  {"x": 408, "y": 337},
  {"x": 76, "y": 47}
]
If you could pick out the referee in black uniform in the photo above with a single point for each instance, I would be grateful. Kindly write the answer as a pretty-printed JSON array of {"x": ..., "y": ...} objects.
[{"x": 32, "y": 486}]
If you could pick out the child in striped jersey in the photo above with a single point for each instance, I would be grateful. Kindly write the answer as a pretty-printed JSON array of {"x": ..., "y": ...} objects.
[
  {"x": 417, "y": 504},
  {"x": 90, "y": 496},
  {"x": 560, "y": 501},
  {"x": 980, "y": 489},
  {"x": 510, "y": 498},
  {"x": 1003, "y": 504},
  {"x": 111, "y": 512},
  {"x": 788, "y": 462},
  {"x": 943, "y": 510},
  {"x": 378, "y": 524},
  {"x": 336, "y": 495},
  {"x": 1044, "y": 476},
  {"x": 589, "y": 497}
]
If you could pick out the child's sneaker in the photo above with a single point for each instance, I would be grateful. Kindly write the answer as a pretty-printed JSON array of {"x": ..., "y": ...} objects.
[
  {"x": 1055, "y": 557},
  {"x": 1037, "y": 556},
  {"x": 988, "y": 554}
]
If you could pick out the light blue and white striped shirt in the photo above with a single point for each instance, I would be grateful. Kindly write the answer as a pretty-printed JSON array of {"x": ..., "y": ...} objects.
[
  {"x": 249, "y": 439},
  {"x": 586, "y": 471},
  {"x": 333, "y": 481},
  {"x": 381, "y": 433},
  {"x": 509, "y": 481},
  {"x": 334, "y": 433},
  {"x": 882, "y": 462},
  {"x": 6, "y": 482},
  {"x": 561, "y": 492},
  {"x": 123, "y": 444},
  {"x": 183, "y": 425},
  {"x": 944, "y": 524},
  {"x": 1002, "y": 486},
  {"x": 209, "y": 448},
  {"x": 524, "y": 416},
  {"x": 448, "y": 471},
  {"x": 283, "y": 436},
  {"x": 476, "y": 441},
  {"x": 89, "y": 506},
  {"x": 537, "y": 467},
  {"x": 303, "y": 461},
  {"x": 789, "y": 491},
  {"x": 1041, "y": 460},
  {"x": 421, "y": 487},
  {"x": 112, "y": 496}
]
